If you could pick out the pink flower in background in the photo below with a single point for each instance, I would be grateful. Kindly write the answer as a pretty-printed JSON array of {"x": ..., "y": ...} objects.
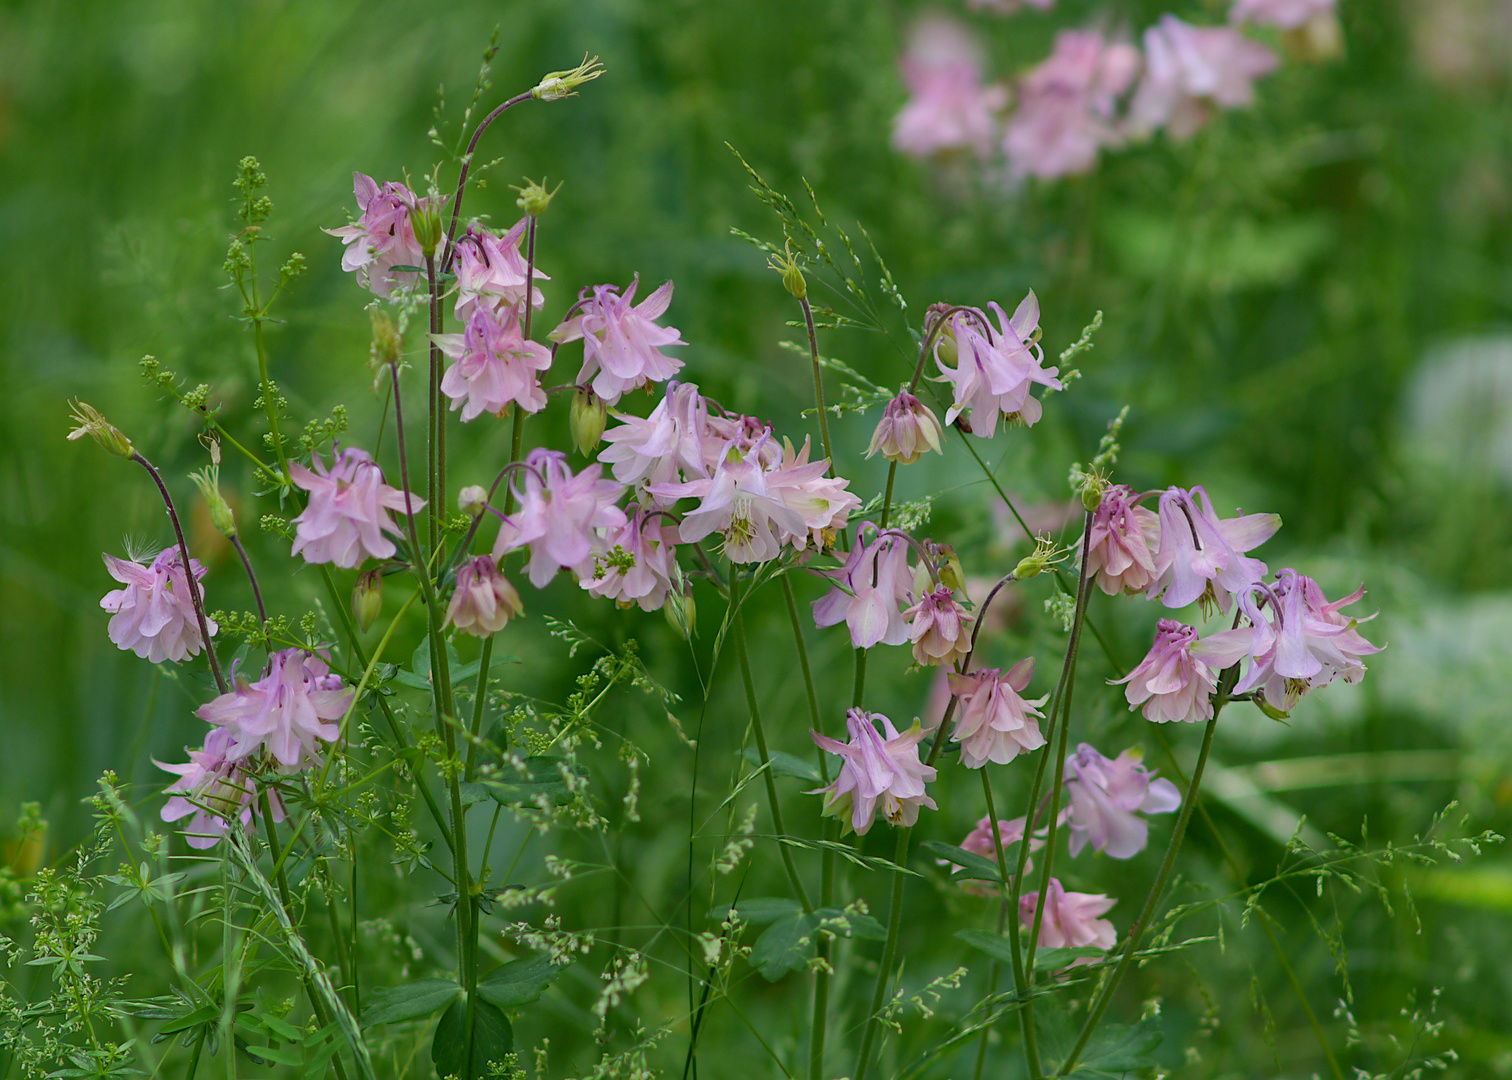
[
  {"x": 348, "y": 512},
  {"x": 907, "y": 431},
  {"x": 740, "y": 504},
  {"x": 949, "y": 108},
  {"x": 495, "y": 366},
  {"x": 484, "y": 600},
  {"x": 633, "y": 563},
  {"x": 558, "y": 514},
  {"x": 979, "y": 840},
  {"x": 878, "y": 773},
  {"x": 993, "y": 721},
  {"x": 622, "y": 345},
  {"x": 1008, "y": 7},
  {"x": 212, "y": 790},
  {"x": 491, "y": 272},
  {"x": 871, "y": 590},
  {"x": 1189, "y": 70},
  {"x": 1286, "y": 14},
  {"x": 939, "y": 628},
  {"x": 1067, "y": 105},
  {"x": 382, "y": 237},
  {"x": 1106, "y": 799},
  {"x": 153, "y": 616},
  {"x": 282, "y": 712},
  {"x": 822, "y": 501},
  {"x": 1070, "y": 920},
  {"x": 662, "y": 447},
  {"x": 995, "y": 366},
  {"x": 1125, "y": 537},
  {"x": 1201, "y": 557},
  {"x": 1176, "y": 680}
]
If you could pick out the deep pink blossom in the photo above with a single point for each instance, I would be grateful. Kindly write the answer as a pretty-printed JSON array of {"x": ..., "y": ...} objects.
[
  {"x": 558, "y": 514},
  {"x": 153, "y": 616},
  {"x": 1202, "y": 557},
  {"x": 211, "y": 790},
  {"x": 1286, "y": 14},
  {"x": 871, "y": 590},
  {"x": 949, "y": 107},
  {"x": 383, "y": 237},
  {"x": 633, "y": 563},
  {"x": 491, "y": 272},
  {"x": 878, "y": 773},
  {"x": 288, "y": 712},
  {"x": 907, "y": 431},
  {"x": 484, "y": 600},
  {"x": 622, "y": 345},
  {"x": 993, "y": 721},
  {"x": 1177, "y": 678},
  {"x": 939, "y": 627},
  {"x": 1067, "y": 105},
  {"x": 741, "y": 504},
  {"x": 1125, "y": 537},
  {"x": 495, "y": 366},
  {"x": 1070, "y": 920},
  {"x": 348, "y": 512},
  {"x": 1191, "y": 69},
  {"x": 995, "y": 366},
  {"x": 664, "y": 447},
  {"x": 1106, "y": 799}
]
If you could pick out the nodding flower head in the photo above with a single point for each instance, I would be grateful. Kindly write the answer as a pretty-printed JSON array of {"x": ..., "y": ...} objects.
[
  {"x": 212, "y": 791},
  {"x": 1107, "y": 797},
  {"x": 348, "y": 512},
  {"x": 287, "y": 713},
  {"x": 622, "y": 344},
  {"x": 383, "y": 239},
  {"x": 1202, "y": 557},
  {"x": 940, "y": 628},
  {"x": 1125, "y": 537},
  {"x": 1070, "y": 920},
  {"x": 153, "y": 616},
  {"x": 994, "y": 722},
  {"x": 484, "y": 600},
  {"x": 996, "y": 366},
  {"x": 879, "y": 772},
  {"x": 907, "y": 431}
]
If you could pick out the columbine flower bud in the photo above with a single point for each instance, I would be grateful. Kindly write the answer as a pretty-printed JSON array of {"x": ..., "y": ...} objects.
[
  {"x": 93, "y": 423},
  {"x": 208, "y": 482},
  {"x": 1093, "y": 486},
  {"x": 534, "y": 197},
  {"x": 426, "y": 220},
  {"x": 786, "y": 264},
  {"x": 367, "y": 599},
  {"x": 387, "y": 342},
  {"x": 908, "y": 430},
  {"x": 560, "y": 84},
  {"x": 473, "y": 500},
  {"x": 681, "y": 613},
  {"x": 587, "y": 418},
  {"x": 1042, "y": 558},
  {"x": 945, "y": 342}
]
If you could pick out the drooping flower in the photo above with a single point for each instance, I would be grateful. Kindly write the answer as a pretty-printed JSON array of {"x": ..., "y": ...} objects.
[
  {"x": 634, "y": 561},
  {"x": 282, "y": 712},
  {"x": 993, "y": 721},
  {"x": 484, "y": 601},
  {"x": 1070, "y": 920},
  {"x": 1067, "y": 105},
  {"x": 950, "y": 108},
  {"x": 558, "y": 513},
  {"x": 1125, "y": 537},
  {"x": 822, "y": 501},
  {"x": 383, "y": 237},
  {"x": 153, "y": 616},
  {"x": 878, "y": 773},
  {"x": 907, "y": 431},
  {"x": 995, "y": 366},
  {"x": 1286, "y": 14},
  {"x": 660, "y": 448},
  {"x": 1008, "y": 7},
  {"x": 1106, "y": 798},
  {"x": 622, "y": 345},
  {"x": 1201, "y": 557},
  {"x": 980, "y": 841},
  {"x": 348, "y": 512},
  {"x": 939, "y": 627},
  {"x": 1191, "y": 69},
  {"x": 491, "y": 272},
  {"x": 495, "y": 366},
  {"x": 1177, "y": 678},
  {"x": 740, "y": 503},
  {"x": 871, "y": 590},
  {"x": 211, "y": 791}
]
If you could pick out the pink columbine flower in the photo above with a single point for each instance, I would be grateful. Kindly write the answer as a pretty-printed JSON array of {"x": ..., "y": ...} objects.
[
  {"x": 822, "y": 501},
  {"x": 1286, "y": 14},
  {"x": 558, "y": 513},
  {"x": 1177, "y": 678},
  {"x": 871, "y": 590},
  {"x": 1201, "y": 557},
  {"x": 211, "y": 790},
  {"x": 282, "y": 712},
  {"x": 1008, "y": 7},
  {"x": 153, "y": 615},
  {"x": 662, "y": 447},
  {"x": 878, "y": 772},
  {"x": 1125, "y": 537},
  {"x": 491, "y": 272},
  {"x": 1070, "y": 920},
  {"x": 908, "y": 430},
  {"x": 348, "y": 512},
  {"x": 939, "y": 627},
  {"x": 949, "y": 108},
  {"x": 1106, "y": 799},
  {"x": 622, "y": 345},
  {"x": 1189, "y": 70},
  {"x": 740, "y": 503},
  {"x": 993, "y": 722},
  {"x": 1067, "y": 105},
  {"x": 979, "y": 841},
  {"x": 495, "y": 366},
  {"x": 484, "y": 601},
  {"x": 383, "y": 237},
  {"x": 995, "y": 366},
  {"x": 634, "y": 562}
]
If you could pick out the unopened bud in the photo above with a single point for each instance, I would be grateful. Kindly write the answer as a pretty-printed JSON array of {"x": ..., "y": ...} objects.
[
  {"x": 426, "y": 220},
  {"x": 387, "y": 341},
  {"x": 367, "y": 599},
  {"x": 93, "y": 423},
  {"x": 473, "y": 500},
  {"x": 557, "y": 85},
  {"x": 945, "y": 339},
  {"x": 586, "y": 419},
  {"x": 208, "y": 482},
  {"x": 952, "y": 576},
  {"x": 1094, "y": 486},
  {"x": 535, "y": 198},
  {"x": 681, "y": 614},
  {"x": 1318, "y": 39},
  {"x": 786, "y": 264}
]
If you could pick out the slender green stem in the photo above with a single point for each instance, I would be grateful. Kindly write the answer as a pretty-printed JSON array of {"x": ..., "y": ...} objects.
[
  {"x": 480, "y": 698},
  {"x": 892, "y": 474},
  {"x": 269, "y": 394},
  {"x": 1020, "y": 980},
  {"x": 194, "y": 1055},
  {"x": 433, "y": 419},
  {"x": 889, "y": 955},
  {"x": 813, "y": 338},
  {"x": 472, "y": 145},
  {"x": 262, "y": 612}
]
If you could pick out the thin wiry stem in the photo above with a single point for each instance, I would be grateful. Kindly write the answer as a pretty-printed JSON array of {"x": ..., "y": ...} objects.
[
  {"x": 451, "y": 232},
  {"x": 262, "y": 612}
]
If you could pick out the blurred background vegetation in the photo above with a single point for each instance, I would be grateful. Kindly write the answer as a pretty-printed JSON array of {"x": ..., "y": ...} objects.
[{"x": 1306, "y": 307}]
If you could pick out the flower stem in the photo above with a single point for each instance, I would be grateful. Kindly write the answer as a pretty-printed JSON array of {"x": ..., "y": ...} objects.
[
  {"x": 808, "y": 322},
  {"x": 262, "y": 612},
  {"x": 480, "y": 697},
  {"x": 1020, "y": 980},
  {"x": 434, "y": 421},
  {"x": 451, "y": 232},
  {"x": 889, "y": 954}
]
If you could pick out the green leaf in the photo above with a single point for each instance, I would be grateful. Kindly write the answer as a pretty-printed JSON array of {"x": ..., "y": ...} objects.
[
  {"x": 759, "y": 910},
  {"x": 1055, "y": 959},
  {"x": 997, "y": 946},
  {"x": 851, "y": 924},
  {"x": 472, "y": 793},
  {"x": 1115, "y": 1050},
  {"x": 277, "y": 1055},
  {"x": 786, "y": 765},
  {"x": 492, "y": 1039},
  {"x": 461, "y": 674},
  {"x": 390, "y": 1004},
  {"x": 518, "y": 982},
  {"x": 973, "y": 866},
  {"x": 544, "y": 778},
  {"x": 785, "y": 946},
  {"x": 203, "y": 1015}
]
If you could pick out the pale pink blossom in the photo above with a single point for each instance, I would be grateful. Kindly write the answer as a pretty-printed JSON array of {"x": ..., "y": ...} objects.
[
  {"x": 491, "y": 272},
  {"x": 907, "y": 431},
  {"x": 153, "y": 616},
  {"x": 288, "y": 712},
  {"x": 495, "y": 366},
  {"x": 979, "y": 841},
  {"x": 740, "y": 503},
  {"x": 822, "y": 501},
  {"x": 1176, "y": 680},
  {"x": 939, "y": 627},
  {"x": 949, "y": 107},
  {"x": 622, "y": 345},
  {"x": 662, "y": 447},
  {"x": 1191, "y": 69},
  {"x": 1106, "y": 798},
  {"x": 1286, "y": 14},
  {"x": 1201, "y": 557},
  {"x": 383, "y": 237},
  {"x": 878, "y": 773},
  {"x": 634, "y": 562},
  {"x": 995, "y": 366},
  {"x": 1008, "y": 7},
  {"x": 484, "y": 600},
  {"x": 212, "y": 790},
  {"x": 993, "y": 721},
  {"x": 348, "y": 512},
  {"x": 1125, "y": 537},
  {"x": 871, "y": 590},
  {"x": 558, "y": 514},
  {"x": 1067, "y": 105},
  {"x": 1070, "y": 919}
]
